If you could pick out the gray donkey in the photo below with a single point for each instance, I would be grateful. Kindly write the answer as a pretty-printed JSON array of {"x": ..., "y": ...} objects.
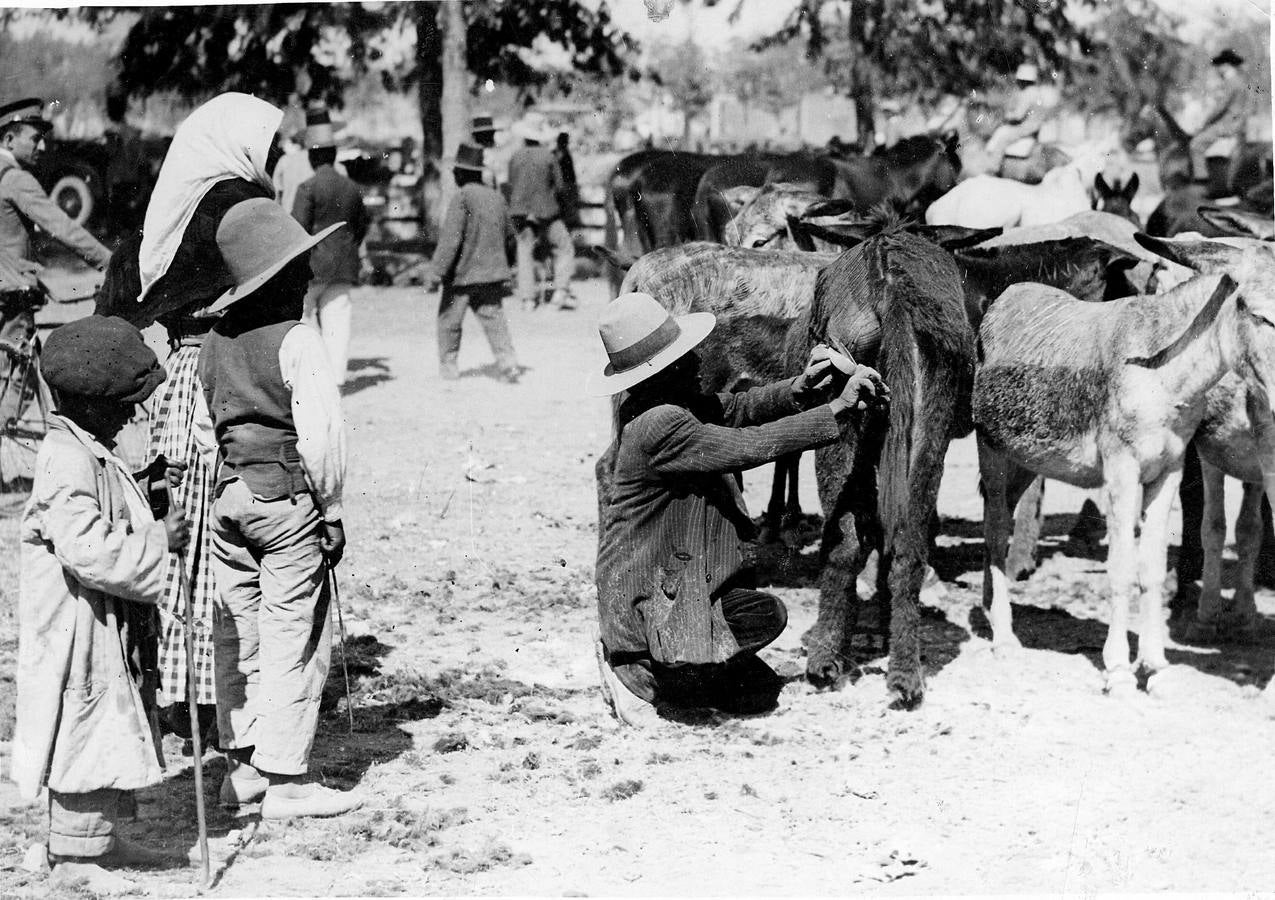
[
  {"x": 1107, "y": 396},
  {"x": 1230, "y": 442}
]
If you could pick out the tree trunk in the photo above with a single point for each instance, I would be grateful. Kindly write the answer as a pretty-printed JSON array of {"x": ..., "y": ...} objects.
[
  {"x": 429, "y": 92},
  {"x": 454, "y": 101}
]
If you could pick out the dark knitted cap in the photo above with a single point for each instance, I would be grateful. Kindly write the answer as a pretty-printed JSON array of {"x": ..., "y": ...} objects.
[{"x": 101, "y": 357}]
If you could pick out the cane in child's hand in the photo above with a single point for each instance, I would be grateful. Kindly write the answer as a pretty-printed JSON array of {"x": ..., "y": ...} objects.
[
  {"x": 345, "y": 667},
  {"x": 192, "y": 698}
]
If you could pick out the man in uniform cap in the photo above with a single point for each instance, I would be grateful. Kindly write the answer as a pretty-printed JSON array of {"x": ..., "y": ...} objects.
[
  {"x": 329, "y": 197},
  {"x": 1226, "y": 120},
  {"x": 22, "y": 201}
]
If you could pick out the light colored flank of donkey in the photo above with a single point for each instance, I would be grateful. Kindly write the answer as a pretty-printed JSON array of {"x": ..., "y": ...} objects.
[
  {"x": 1231, "y": 441},
  {"x": 1107, "y": 396}
]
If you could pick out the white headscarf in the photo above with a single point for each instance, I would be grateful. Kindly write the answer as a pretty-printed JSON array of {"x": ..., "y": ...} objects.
[{"x": 227, "y": 137}]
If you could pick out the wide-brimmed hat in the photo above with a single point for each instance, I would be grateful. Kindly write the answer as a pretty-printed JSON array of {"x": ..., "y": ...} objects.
[
  {"x": 468, "y": 157},
  {"x": 533, "y": 127},
  {"x": 26, "y": 112},
  {"x": 1228, "y": 57},
  {"x": 1027, "y": 72},
  {"x": 257, "y": 239},
  {"x": 482, "y": 124},
  {"x": 101, "y": 357},
  {"x": 320, "y": 129},
  {"x": 642, "y": 338}
]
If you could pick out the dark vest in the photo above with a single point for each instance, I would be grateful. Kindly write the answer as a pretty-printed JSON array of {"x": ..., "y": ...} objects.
[{"x": 251, "y": 408}]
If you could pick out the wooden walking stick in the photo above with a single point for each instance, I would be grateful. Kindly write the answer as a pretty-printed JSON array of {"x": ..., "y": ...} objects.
[
  {"x": 345, "y": 668},
  {"x": 192, "y": 697}
]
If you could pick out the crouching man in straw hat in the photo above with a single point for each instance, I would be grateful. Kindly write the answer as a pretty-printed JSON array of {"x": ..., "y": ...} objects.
[
  {"x": 680, "y": 620},
  {"x": 276, "y": 514},
  {"x": 94, "y": 561}
]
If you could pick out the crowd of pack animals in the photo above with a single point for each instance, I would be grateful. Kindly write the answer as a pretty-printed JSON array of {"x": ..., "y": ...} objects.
[{"x": 1077, "y": 342}]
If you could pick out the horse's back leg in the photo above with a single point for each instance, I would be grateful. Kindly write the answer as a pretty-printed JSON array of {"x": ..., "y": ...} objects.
[
  {"x": 772, "y": 520},
  {"x": 1028, "y": 522},
  {"x": 790, "y": 525},
  {"x": 998, "y": 476}
]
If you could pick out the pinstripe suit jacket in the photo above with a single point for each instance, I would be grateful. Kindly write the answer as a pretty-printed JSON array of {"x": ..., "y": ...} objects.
[{"x": 673, "y": 530}]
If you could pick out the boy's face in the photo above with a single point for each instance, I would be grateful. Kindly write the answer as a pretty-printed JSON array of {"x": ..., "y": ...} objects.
[{"x": 101, "y": 418}]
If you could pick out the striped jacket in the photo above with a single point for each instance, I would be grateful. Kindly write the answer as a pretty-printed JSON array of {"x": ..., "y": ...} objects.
[{"x": 673, "y": 531}]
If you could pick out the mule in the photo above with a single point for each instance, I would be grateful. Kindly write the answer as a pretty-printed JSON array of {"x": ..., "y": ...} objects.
[{"x": 1107, "y": 396}]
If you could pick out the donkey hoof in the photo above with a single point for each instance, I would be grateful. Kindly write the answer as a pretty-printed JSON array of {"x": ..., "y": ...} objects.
[
  {"x": 1166, "y": 683},
  {"x": 907, "y": 689},
  {"x": 1198, "y": 632},
  {"x": 768, "y": 534},
  {"x": 823, "y": 673},
  {"x": 1121, "y": 683},
  {"x": 1006, "y": 645}
]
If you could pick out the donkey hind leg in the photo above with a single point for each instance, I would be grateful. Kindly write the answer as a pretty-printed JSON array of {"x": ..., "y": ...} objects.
[
  {"x": 1122, "y": 492},
  {"x": 1248, "y": 544},
  {"x": 1002, "y": 482},
  {"x": 1209, "y": 613},
  {"x": 842, "y": 553},
  {"x": 790, "y": 524},
  {"x": 771, "y": 521},
  {"x": 1153, "y": 555},
  {"x": 1028, "y": 519}
]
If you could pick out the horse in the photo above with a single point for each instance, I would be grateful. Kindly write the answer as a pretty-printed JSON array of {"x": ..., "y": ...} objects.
[{"x": 986, "y": 201}]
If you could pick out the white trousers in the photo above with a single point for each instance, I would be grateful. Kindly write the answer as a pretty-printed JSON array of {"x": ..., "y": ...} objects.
[{"x": 327, "y": 309}]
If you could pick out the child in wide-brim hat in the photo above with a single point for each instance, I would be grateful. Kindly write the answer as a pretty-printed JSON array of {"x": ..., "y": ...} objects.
[
  {"x": 93, "y": 561},
  {"x": 276, "y": 516}
]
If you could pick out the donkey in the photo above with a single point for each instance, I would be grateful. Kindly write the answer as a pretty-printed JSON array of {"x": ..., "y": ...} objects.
[
  {"x": 1107, "y": 396},
  {"x": 1230, "y": 441},
  {"x": 896, "y": 301}
]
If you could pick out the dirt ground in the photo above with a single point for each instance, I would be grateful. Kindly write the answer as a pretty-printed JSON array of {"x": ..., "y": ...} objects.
[{"x": 491, "y": 767}]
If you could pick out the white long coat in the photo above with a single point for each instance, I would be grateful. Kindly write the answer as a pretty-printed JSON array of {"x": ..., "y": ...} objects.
[{"x": 90, "y": 548}]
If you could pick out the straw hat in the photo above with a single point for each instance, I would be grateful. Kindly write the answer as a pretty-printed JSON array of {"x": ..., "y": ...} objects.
[
  {"x": 1027, "y": 72},
  {"x": 642, "y": 338},
  {"x": 257, "y": 239},
  {"x": 482, "y": 124}
]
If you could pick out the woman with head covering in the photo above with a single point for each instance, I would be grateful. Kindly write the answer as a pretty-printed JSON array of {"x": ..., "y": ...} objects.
[{"x": 219, "y": 157}]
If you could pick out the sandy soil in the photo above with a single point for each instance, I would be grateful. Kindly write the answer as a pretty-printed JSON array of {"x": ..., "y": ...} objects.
[{"x": 491, "y": 767}]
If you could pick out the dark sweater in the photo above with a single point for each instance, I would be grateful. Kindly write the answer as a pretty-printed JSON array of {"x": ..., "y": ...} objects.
[
  {"x": 535, "y": 182},
  {"x": 472, "y": 239}
]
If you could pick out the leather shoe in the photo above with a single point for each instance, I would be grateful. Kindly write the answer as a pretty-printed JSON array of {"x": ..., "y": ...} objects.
[
  {"x": 237, "y": 792},
  {"x": 124, "y": 854},
  {"x": 626, "y": 706},
  {"x": 316, "y": 801}
]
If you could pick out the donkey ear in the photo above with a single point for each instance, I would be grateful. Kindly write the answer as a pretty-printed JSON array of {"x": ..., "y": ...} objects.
[
  {"x": 1131, "y": 187},
  {"x": 1238, "y": 222},
  {"x": 1100, "y": 184},
  {"x": 951, "y": 141},
  {"x": 955, "y": 237},
  {"x": 1201, "y": 323},
  {"x": 1207, "y": 257},
  {"x": 799, "y": 231}
]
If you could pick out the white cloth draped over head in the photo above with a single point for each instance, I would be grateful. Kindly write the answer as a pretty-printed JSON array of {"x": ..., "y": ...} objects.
[{"x": 227, "y": 137}]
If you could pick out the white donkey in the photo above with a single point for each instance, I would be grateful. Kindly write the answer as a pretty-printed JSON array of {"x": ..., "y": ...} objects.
[{"x": 1107, "y": 396}]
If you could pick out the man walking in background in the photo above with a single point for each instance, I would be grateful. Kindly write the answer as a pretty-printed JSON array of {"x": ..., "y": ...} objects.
[
  {"x": 326, "y": 199},
  {"x": 535, "y": 182}
]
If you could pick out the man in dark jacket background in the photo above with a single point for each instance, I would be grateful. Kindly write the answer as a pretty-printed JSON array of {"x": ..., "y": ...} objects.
[
  {"x": 535, "y": 190},
  {"x": 472, "y": 263},
  {"x": 680, "y": 619},
  {"x": 326, "y": 198}
]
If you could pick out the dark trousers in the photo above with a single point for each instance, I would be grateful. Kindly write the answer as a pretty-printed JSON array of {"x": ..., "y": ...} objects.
[
  {"x": 742, "y": 683},
  {"x": 485, "y": 301}
]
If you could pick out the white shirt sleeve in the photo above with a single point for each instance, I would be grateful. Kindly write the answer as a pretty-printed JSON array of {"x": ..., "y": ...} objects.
[
  {"x": 202, "y": 432},
  {"x": 316, "y": 413}
]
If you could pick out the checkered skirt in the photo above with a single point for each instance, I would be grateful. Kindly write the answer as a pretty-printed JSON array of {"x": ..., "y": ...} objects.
[{"x": 172, "y": 417}]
